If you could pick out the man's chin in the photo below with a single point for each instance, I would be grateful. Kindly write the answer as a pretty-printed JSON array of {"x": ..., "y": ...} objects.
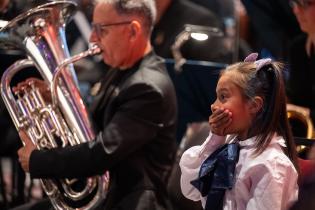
[
  {"x": 107, "y": 62},
  {"x": 110, "y": 64}
]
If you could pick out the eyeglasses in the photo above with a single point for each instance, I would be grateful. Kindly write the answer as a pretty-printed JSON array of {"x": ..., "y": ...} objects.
[
  {"x": 302, "y": 3},
  {"x": 97, "y": 27}
]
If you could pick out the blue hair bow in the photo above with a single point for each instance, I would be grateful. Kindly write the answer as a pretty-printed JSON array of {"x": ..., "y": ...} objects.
[{"x": 217, "y": 174}]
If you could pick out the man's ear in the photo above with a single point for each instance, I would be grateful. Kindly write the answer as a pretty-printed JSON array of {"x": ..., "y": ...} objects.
[
  {"x": 135, "y": 29},
  {"x": 256, "y": 104}
]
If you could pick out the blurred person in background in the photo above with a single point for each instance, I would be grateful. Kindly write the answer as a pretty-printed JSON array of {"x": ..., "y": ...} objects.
[
  {"x": 301, "y": 83},
  {"x": 272, "y": 26}
]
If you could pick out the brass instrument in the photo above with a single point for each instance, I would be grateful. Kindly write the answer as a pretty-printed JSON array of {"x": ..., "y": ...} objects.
[
  {"x": 299, "y": 119},
  {"x": 40, "y": 33},
  {"x": 305, "y": 120}
]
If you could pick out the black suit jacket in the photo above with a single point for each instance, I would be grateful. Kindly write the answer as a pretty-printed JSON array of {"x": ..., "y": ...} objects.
[{"x": 136, "y": 116}]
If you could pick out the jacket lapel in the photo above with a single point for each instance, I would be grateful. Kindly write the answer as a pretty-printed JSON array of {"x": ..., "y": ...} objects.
[{"x": 104, "y": 91}]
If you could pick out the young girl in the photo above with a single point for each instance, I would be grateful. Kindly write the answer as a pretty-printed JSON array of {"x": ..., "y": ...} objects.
[{"x": 248, "y": 128}]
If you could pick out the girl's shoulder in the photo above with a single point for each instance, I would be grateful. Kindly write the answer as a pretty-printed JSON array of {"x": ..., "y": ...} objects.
[{"x": 271, "y": 159}]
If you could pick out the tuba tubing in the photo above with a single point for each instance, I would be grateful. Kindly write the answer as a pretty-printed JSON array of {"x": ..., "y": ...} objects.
[{"x": 63, "y": 121}]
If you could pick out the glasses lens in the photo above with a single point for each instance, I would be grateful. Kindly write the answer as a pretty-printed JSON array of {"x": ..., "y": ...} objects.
[
  {"x": 97, "y": 29},
  {"x": 294, "y": 3}
]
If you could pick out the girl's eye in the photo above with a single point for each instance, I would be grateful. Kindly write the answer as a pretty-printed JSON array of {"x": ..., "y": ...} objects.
[{"x": 222, "y": 97}]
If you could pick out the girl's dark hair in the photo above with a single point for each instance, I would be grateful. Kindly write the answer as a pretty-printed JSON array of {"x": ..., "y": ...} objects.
[{"x": 267, "y": 83}]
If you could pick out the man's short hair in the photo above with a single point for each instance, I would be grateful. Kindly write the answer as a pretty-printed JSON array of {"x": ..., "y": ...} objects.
[{"x": 144, "y": 8}]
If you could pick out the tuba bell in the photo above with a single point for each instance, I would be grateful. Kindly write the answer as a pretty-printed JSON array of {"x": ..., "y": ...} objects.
[{"x": 63, "y": 121}]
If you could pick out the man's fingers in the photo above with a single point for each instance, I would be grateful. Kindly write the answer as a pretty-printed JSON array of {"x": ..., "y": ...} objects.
[
  {"x": 20, "y": 152},
  {"x": 33, "y": 79},
  {"x": 38, "y": 82},
  {"x": 21, "y": 155},
  {"x": 23, "y": 84},
  {"x": 25, "y": 138}
]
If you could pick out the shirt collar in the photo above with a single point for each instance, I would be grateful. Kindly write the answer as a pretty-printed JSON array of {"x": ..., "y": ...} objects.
[{"x": 250, "y": 142}]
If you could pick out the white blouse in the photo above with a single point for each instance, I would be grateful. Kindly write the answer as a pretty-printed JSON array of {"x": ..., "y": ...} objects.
[{"x": 264, "y": 182}]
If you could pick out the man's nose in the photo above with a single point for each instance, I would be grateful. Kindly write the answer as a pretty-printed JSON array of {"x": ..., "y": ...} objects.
[
  {"x": 93, "y": 37},
  {"x": 297, "y": 9}
]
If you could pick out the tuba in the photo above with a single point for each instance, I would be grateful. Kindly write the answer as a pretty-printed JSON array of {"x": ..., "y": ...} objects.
[{"x": 64, "y": 121}]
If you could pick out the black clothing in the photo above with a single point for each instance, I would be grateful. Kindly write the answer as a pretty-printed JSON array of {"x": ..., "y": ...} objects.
[
  {"x": 179, "y": 13},
  {"x": 301, "y": 84},
  {"x": 274, "y": 25},
  {"x": 306, "y": 195},
  {"x": 222, "y": 8},
  {"x": 16, "y": 7},
  {"x": 136, "y": 115}
]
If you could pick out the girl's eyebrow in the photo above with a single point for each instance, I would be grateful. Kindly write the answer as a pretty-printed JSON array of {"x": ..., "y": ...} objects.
[{"x": 223, "y": 90}]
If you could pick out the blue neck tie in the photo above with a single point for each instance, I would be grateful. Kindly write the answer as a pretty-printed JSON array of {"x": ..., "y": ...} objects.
[{"x": 217, "y": 174}]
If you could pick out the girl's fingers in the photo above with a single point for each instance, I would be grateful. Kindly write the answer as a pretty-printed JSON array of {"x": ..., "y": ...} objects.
[
  {"x": 223, "y": 121},
  {"x": 216, "y": 115},
  {"x": 219, "y": 116},
  {"x": 219, "y": 121}
]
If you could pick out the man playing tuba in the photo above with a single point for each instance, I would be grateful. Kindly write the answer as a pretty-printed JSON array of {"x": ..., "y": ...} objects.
[{"x": 134, "y": 111}]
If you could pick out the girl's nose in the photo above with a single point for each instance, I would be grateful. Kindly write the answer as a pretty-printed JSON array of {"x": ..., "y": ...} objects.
[{"x": 214, "y": 107}]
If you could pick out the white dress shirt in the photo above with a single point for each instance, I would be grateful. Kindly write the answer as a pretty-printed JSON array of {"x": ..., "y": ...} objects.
[{"x": 264, "y": 182}]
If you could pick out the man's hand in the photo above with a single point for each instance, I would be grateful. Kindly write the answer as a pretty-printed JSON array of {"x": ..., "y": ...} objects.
[
  {"x": 25, "y": 152},
  {"x": 219, "y": 121},
  {"x": 38, "y": 83}
]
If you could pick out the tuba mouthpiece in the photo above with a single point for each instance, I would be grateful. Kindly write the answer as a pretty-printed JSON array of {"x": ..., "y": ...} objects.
[{"x": 94, "y": 49}]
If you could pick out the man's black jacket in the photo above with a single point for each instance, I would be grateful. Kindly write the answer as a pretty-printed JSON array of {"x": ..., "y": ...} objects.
[{"x": 135, "y": 111}]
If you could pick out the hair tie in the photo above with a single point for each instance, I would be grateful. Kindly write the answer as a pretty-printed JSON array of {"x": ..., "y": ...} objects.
[{"x": 259, "y": 63}]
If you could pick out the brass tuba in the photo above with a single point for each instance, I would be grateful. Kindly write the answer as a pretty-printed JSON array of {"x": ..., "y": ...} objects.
[{"x": 40, "y": 33}]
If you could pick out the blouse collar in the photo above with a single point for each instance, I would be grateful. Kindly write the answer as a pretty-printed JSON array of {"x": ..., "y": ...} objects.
[{"x": 250, "y": 142}]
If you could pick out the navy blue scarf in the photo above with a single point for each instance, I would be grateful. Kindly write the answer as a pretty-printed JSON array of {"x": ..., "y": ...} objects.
[{"x": 217, "y": 174}]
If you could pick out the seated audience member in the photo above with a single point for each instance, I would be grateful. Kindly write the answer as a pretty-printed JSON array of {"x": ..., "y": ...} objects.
[
  {"x": 273, "y": 26},
  {"x": 301, "y": 82}
]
